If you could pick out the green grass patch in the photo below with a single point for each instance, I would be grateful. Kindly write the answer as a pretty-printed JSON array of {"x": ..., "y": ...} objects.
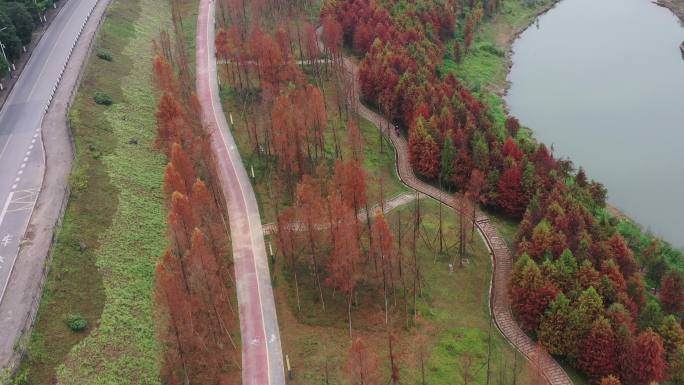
[{"x": 114, "y": 227}]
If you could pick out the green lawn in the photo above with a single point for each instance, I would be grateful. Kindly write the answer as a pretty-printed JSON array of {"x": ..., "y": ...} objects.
[
  {"x": 116, "y": 211},
  {"x": 454, "y": 311}
]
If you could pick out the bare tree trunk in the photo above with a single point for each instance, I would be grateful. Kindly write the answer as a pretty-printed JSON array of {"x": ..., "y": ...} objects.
[
  {"x": 315, "y": 264},
  {"x": 349, "y": 304}
]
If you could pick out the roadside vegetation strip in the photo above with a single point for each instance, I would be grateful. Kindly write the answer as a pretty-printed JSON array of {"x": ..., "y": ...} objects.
[{"x": 112, "y": 234}]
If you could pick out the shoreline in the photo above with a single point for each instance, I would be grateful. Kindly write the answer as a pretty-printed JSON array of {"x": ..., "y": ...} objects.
[
  {"x": 507, "y": 46},
  {"x": 501, "y": 86},
  {"x": 675, "y": 6}
]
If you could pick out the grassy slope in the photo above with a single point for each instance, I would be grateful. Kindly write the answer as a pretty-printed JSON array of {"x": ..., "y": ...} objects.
[
  {"x": 485, "y": 66},
  {"x": 117, "y": 211},
  {"x": 454, "y": 307}
]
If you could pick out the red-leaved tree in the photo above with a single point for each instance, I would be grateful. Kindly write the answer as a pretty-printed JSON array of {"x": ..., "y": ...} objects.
[
  {"x": 598, "y": 356},
  {"x": 672, "y": 292}
]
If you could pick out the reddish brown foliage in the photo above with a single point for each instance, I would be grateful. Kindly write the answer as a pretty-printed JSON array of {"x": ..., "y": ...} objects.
[
  {"x": 648, "y": 359},
  {"x": 672, "y": 292},
  {"x": 598, "y": 353},
  {"x": 350, "y": 181},
  {"x": 362, "y": 365},
  {"x": 173, "y": 181},
  {"x": 192, "y": 293},
  {"x": 512, "y": 199},
  {"x": 531, "y": 293},
  {"x": 183, "y": 165}
]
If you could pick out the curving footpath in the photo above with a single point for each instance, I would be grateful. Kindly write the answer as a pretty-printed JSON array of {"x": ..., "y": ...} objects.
[
  {"x": 501, "y": 254},
  {"x": 389, "y": 205},
  {"x": 262, "y": 359}
]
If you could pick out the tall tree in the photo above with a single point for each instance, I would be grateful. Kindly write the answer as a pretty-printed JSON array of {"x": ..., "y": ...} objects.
[
  {"x": 648, "y": 358},
  {"x": 383, "y": 249},
  {"x": 530, "y": 293},
  {"x": 362, "y": 364},
  {"x": 345, "y": 257},
  {"x": 598, "y": 351},
  {"x": 672, "y": 292},
  {"x": 310, "y": 207},
  {"x": 555, "y": 329},
  {"x": 350, "y": 180},
  {"x": 511, "y": 196},
  {"x": 355, "y": 139},
  {"x": 476, "y": 186}
]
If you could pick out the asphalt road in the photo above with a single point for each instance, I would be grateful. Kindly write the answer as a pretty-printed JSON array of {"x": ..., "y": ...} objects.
[
  {"x": 22, "y": 158},
  {"x": 262, "y": 358}
]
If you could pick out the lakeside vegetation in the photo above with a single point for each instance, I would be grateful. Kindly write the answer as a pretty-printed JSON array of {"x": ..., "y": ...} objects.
[{"x": 457, "y": 128}]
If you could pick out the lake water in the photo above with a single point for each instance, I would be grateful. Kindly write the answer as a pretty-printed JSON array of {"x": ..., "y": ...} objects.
[{"x": 603, "y": 82}]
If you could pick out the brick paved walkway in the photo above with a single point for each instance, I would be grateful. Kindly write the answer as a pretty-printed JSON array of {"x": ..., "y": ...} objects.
[{"x": 501, "y": 254}]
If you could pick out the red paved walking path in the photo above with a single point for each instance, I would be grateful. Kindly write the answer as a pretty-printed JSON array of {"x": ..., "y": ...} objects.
[
  {"x": 501, "y": 254},
  {"x": 262, "y": 360}
]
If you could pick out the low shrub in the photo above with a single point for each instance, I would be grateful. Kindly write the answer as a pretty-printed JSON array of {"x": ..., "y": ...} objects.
[
  {"x": 104, "y": 55},
  {"x": 76, "y": 322},
  {"x": 102, "y": 98}
]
